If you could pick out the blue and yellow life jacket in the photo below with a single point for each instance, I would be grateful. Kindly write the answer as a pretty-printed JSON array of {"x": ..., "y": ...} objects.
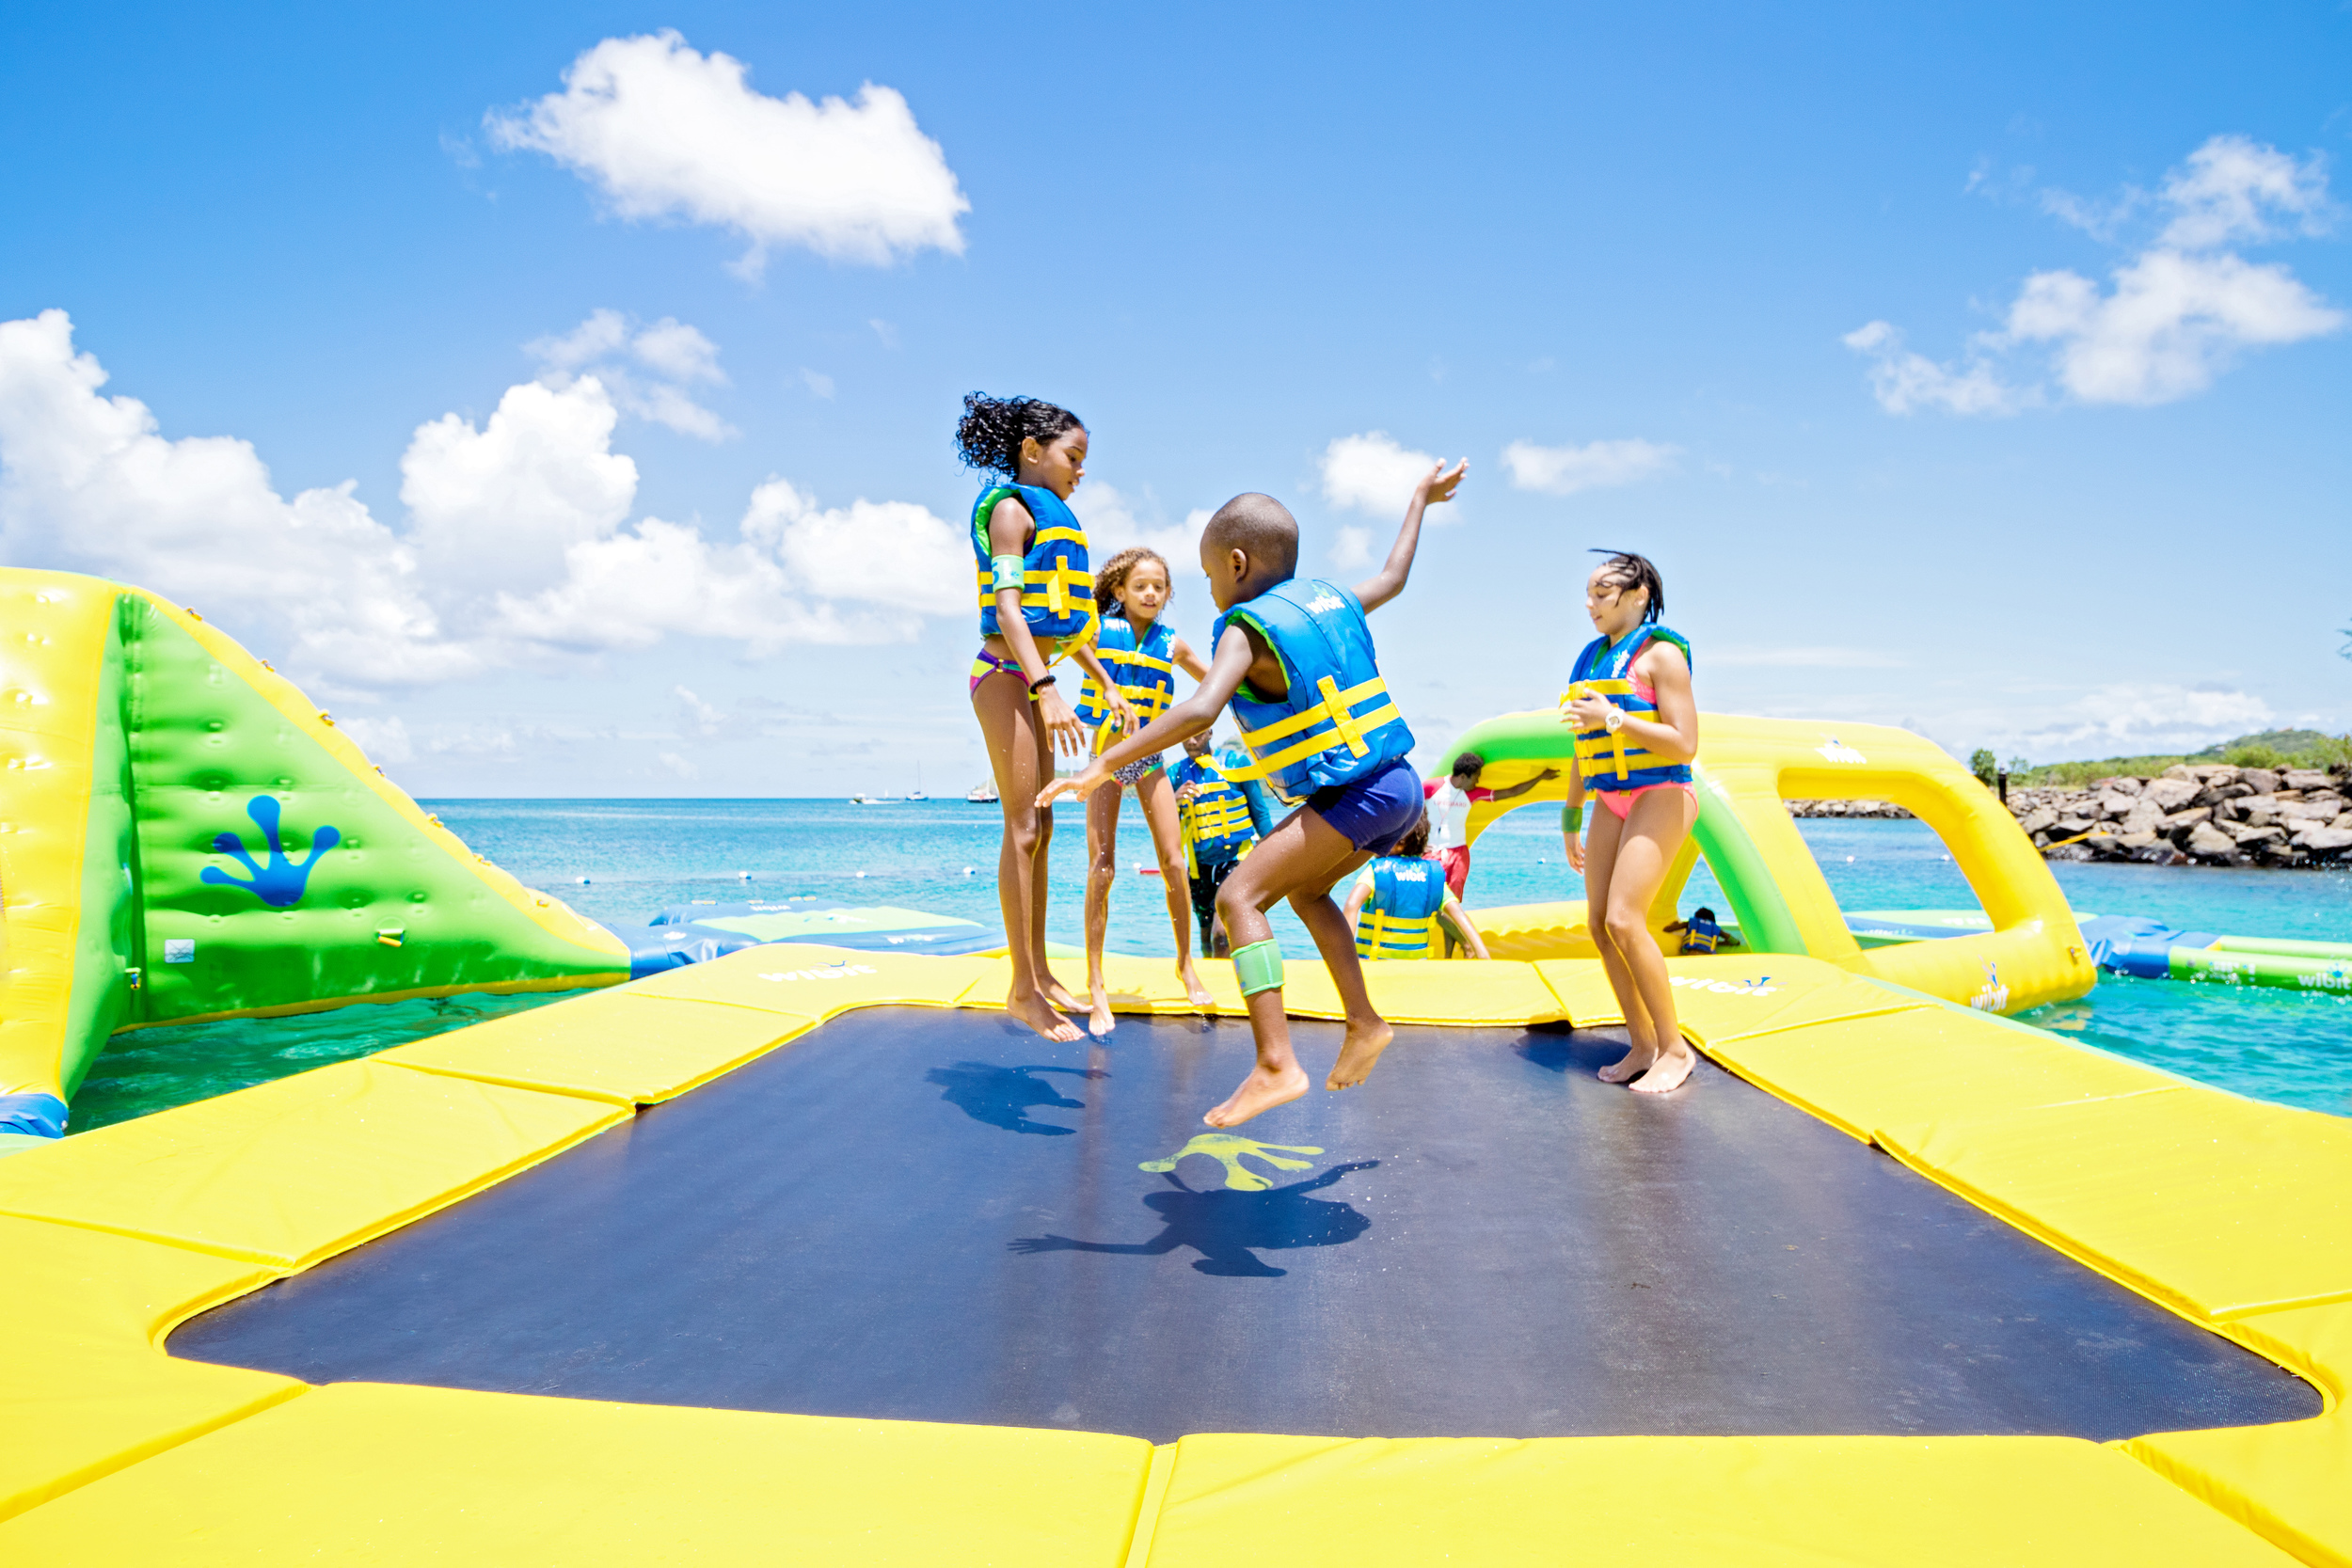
[
  {"x": 1611, "y": 762},
  {"x": 1216, "y": 820},
  {"x": 1400, "y": 919},
  {"x": 1336, "y": 724},
  {"x": 1057, "y": 586},
  {"x": 1146, "y": 673},
  {"x": 1700, "y": 934}
]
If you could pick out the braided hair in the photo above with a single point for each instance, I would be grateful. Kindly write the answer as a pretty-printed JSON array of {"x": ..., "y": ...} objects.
[
  {"x": 990, "y": 435},
  {"x": 1112, "y": 576},
  {"x": 1628, "y": 570}
]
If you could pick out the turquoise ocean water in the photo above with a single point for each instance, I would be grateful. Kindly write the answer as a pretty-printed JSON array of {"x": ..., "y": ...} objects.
[{"x": 641, "y": 855}]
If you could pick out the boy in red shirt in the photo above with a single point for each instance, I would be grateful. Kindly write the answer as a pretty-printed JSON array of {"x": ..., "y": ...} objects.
[{"x": 1450, "y": 805}]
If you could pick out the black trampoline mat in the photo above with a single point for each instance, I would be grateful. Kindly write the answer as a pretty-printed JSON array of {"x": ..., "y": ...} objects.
[{"x": 935, "y": 1215}]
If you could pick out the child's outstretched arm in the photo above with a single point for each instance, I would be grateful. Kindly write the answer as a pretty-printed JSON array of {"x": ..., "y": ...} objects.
[
  {"x": 1437, "y": 485},
  {"x": 1453, "y": 910},
  {"x": 1196, "y": 713}
]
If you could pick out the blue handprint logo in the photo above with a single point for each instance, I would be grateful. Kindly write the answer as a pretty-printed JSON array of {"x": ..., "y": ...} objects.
[{"x": 280, "y": 882}]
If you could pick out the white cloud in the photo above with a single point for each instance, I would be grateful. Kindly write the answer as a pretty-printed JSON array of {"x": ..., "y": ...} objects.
[
  {"x": 519, "y": 545},
  {"x": 817, "y": 382},
  {"x": 2178, "y": 313},
  {"x": 705, "y": 719},
  {"x": 677, "y": 355},
  {"x": 383, "y": 739},
  {"x": 678, "y": 765},
  {"x": 1112, "y": 526},
  {"x": 1370, "y": 472},
  {"x": 1902, "y": 380},
  {"x": 2128, "y": 720},
  {"x": 498, "y": 507},
  {"x": 2172, "y": 322},
  {"x": 88, "y": 483},
  {"x": 1565, "y": 471},
  {"x": 666, "y": 131},
  {"x": 890, "y": 553},
  {"x": 2234, "y": 189}
]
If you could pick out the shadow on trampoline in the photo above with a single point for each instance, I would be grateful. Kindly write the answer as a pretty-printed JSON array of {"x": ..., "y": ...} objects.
[
  {"x": 1001, "y": 1096},
  {"x": 1230, "y": 1229}
]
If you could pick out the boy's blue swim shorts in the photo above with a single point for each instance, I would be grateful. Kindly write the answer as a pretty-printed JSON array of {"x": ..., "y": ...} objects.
[{"x": 1374, "y": 812}]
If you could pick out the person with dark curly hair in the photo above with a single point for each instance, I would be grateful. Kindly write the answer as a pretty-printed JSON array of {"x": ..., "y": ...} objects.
[
  {"x": 1295, "y": 657},
  {"x": 1402, "y": 905},
  {"x": 1037, "y": 605},
  {"x": 1143, "y": 654}
]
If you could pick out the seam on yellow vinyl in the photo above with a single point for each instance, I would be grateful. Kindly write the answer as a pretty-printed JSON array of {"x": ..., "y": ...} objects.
[
  {"x": 122, "y": 1459},
  {"x": 601, "y": 1097},
  {"x": 1155, "y": 1489}
]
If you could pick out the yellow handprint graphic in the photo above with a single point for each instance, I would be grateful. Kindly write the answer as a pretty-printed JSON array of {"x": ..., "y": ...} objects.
[{"x": 1228, "y": 1149}]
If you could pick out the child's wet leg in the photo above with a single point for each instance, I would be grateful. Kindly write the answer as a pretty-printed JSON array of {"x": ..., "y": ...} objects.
[
  {"x": 1101, "y": 871},
  {"x": 1041, "y": 870},
  {"x": 1601, "y": 856},
  {"x": 1168, "y": 840},
  {"x": 1368, "y": 1033},
  {"x": 1282, "y": 857},
  {"x": 1008, "y": 723},
  {"x": 1655, "y": 830}
]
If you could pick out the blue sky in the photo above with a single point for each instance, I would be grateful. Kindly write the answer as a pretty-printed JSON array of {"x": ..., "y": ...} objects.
[{"x": 1981, "y": 368}]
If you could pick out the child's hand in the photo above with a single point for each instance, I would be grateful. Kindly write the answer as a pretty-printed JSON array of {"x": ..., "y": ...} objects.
[
  {"x": 1122, "y": 713},
  {"x": 1086, "y": 783},
  {"x": 1586, "y": 712},
  {"x": 1186, "y": 793},
  {"x": 1574, "y": 845},
  {"x": 1440, "y": 483},
  {"x": 1063, "y": 724}
]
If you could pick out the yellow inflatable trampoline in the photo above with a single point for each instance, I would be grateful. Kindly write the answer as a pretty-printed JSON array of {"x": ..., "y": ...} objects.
[{"x": 804, "y": 1255}]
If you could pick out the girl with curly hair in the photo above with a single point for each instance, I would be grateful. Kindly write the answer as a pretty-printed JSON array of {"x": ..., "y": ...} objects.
[{"x": 1037, "y": 606}]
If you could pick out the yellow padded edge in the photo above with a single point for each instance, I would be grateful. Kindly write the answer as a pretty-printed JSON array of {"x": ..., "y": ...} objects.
[
  {"x": 1968, "y": 1503},
  {"x": 1914, "y": 1066},
  {"x": 371, "y": 1473},
  {"x": 551, "y": 915},
  {"x": 53, "y": 650},
  {"x": 2291, "y": 1483},
  {"x": 288, "y": 1172},
  {"x": 812, "y": 981},
  {"x": 86, "y": 1390},
  {"x": 619, "y": 1045},
  {"x": 2220, "y": 1205}
]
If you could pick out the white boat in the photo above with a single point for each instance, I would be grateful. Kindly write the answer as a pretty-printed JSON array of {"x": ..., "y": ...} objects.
[
  {"x": 982, "y": 795},
  {"x": 916, "y": 793}
]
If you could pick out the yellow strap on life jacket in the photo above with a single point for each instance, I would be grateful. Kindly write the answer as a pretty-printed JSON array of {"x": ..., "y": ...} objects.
[
  {"x": 1616, "y": 743},
  {"x": 1347, "y": 727},
  {"x": 1420, "y": 932}
]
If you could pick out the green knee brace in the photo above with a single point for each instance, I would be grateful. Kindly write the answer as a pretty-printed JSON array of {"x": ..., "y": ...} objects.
[{"x": 1259, "y": 967}]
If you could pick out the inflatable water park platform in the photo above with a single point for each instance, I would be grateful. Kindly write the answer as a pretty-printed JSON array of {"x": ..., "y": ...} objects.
[{"x": 805, "y": 1252}]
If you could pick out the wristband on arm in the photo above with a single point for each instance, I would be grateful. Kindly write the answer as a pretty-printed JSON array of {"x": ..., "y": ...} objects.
[
  {"x": 1572, "y": 817},
  {"x": 1005, "y": 571}
]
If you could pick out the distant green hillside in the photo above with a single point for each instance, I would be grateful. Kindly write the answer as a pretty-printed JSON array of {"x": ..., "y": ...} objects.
[{"x": 2269, "y": 748}]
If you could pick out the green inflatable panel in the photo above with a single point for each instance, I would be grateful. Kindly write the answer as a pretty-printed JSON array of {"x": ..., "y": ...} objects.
[{"x": 197, "y": 841}]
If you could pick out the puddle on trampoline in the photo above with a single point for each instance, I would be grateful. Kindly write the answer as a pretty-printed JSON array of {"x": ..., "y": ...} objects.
[{"x": 934, "y": 1216}]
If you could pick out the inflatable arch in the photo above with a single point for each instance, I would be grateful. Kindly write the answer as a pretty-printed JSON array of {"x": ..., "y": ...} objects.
[
  {"x": 184, "y": 835},
  {"x": 2034, "y": 954}
]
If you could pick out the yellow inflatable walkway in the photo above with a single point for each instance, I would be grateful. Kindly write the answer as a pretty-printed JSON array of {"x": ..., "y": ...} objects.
[
  {"x": 1747, "y": 767},
  {"x": 2231, "y": 1213}
]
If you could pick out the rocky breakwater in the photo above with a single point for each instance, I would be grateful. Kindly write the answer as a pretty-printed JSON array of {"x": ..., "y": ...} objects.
[{"x": 2213, "y": 816}]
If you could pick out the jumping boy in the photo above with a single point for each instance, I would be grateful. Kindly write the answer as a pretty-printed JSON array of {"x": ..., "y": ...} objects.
[{"x": 1295, "y": 657}]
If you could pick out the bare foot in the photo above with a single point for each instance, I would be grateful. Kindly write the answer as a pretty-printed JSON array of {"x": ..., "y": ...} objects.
[
  {"x": 1059, "y": 994},
  {"x": 1259, "y": 1092},
  {"x": 1033, "y": 1010},
  {"x": 1359, "y": 1053},
  {"x": 1634, "y": 1063},
  {"x": 1195, "y": 992},
  {"x": 1100, "y": 1020},
  {"x": 1673, "y": 1067}
]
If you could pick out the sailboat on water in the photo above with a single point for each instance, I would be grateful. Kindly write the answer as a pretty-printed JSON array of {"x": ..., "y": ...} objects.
[{"x": 916, "y": 793}]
